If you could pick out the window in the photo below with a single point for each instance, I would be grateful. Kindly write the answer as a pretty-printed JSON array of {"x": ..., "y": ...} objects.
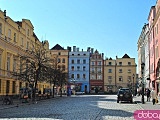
[
  {"x": 110, "y": 63},
  {"x": 93, "y": 77},
  {"x": 99, "y": 77},
  {"x": 120, "y": 63},
  {"x": 72, "y": 61},
  {"x": 78, "y": 68},
  {"x": 129, "y": 78},
  {"x": 109, "y": 70},
  {"x": 92, "y": 62},
  {"x": 78, "y": 76},
  {"x": 59, "y": 60},
  {"x": 93, "y": 70},
  {"x": 72, "y": 68},
  {"x": 72, "y": 76},
  {"x": 63, "y": 60},
  {"x": 109, "y": 78},
  {"x": 84, "y": 68},
  {"x": 99, "y": 62},
  {"x": 120, "y": 70},
  {"x": 21, "y": 41},
  {"x": 129, "y": 70},
  {"x": 78, "y": 61},
  {"x": 15, "y": 37},
  {"x": 78, "y": 54},
  {"x": 7, "y": 86},
  {"x": 72, "y": 54},
  {"x": 99, "y": 70},
  {"x": 84, "y": 76},
  {"x": 14, "y": 65},
  {"x": 0, "y": 28},
  {"x": 84, "y": 61},
  {"x": 84, "y": 54},
  {"x": 27, "y": 45},
  {"x": 59, "y": 53},
  {"x": 28, "y": 32},
  {"x": 59, "y": 67},
  {"x": 120, "y": 78},
  {"x": 20, "y": 84},
  {"x": 129, "y": 63},
  {"x": 9, "y": 34},
  {"x": 8, "y": 63},
  {"x": 13, "y": 87},
  {"x": 63, "y": 67}
]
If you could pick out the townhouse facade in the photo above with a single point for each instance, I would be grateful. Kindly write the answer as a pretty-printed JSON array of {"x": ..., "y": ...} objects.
[
  {"x": 96, "y": 72},
  {"x": 59, "y": 57},
  {"x": 79, "y": 62},
  {"x": 118, "y": 73},
  {"x": 15, "y": 38},
  {"x": 143, "y": 56}
]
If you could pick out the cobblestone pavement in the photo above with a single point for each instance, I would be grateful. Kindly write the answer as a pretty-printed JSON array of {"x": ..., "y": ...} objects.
[{"x": 80, "y": 107}]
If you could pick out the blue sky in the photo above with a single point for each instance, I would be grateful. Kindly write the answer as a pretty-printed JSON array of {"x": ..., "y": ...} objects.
[{"x": 110, "y": 26}]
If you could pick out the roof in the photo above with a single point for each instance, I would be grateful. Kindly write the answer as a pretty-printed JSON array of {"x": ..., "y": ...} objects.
[
  {"x": 57, "y": 47},
  {"x": 125, "y": 56}
]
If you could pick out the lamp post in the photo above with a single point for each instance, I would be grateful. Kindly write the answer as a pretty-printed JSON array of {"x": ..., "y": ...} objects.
[
  {"x": 133, "y": 83},
  {"x": 142, "y": 71}
]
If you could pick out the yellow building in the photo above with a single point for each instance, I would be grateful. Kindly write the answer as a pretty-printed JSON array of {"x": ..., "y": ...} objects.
[
  {"x": 15, "y": 39},
  {"x": 118, "y": 73},
  {"x": 59, "y": 57}
]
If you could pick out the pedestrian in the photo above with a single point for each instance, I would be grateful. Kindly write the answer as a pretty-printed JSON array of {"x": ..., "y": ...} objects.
[
  {"x": 148, "y": 94},
  {"x": 154, "y": 96}
]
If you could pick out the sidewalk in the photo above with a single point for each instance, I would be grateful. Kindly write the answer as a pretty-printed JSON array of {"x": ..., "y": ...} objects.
[
  {"x": 147, "y": 105},
  {"x": 17, "y": 103}
]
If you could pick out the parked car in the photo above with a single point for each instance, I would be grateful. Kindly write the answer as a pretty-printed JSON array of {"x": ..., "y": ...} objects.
[{"x": 124, "y": 94}]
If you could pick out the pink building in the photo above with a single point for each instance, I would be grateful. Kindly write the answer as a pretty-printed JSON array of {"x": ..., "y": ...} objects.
[{"x": 154, "y": 46}]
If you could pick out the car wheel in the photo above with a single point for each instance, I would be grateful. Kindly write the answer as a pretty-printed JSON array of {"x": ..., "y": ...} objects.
[{"x": 117, "y": 101}]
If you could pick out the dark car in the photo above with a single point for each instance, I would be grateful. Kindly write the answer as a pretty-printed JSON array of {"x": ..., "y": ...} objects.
[{"x": 124, "y": 94}]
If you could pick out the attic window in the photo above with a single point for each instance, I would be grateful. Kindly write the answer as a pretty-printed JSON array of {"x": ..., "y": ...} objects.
[{"x": 72, "y": 54}]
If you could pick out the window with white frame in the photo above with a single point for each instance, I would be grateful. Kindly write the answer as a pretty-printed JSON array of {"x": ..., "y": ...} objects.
[
  {"x": 84, "y": 61},
  {"x": 93, "y": 77},
  {"x": 78, "y": 68},
  {"x": 99, "y": 77},
  {"x": 72, "y": 68},
  {"x": 99, "y": 62},
  {"x": 78, "y": 76},
  {"x": 72, "y": 61},
  {"x": 84, "y": 76},
  {"x": 99, "y": 70},
  {"x": 84, "y": 68},
  {"x": 78, "y": 61},
  {"x": 93, "y": 63},
  {"x": 129, "y": 78},
  {"x": 72, "y": 76},
  {"x": 93, "y": 70}
]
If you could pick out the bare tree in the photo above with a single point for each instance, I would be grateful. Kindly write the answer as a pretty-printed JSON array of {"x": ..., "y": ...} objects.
[{"x": 32, "y": 67}]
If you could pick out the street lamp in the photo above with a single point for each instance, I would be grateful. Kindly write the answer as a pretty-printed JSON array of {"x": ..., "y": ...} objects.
[
  {"x": 133, "y": 83},
  {"x": 142, "y": 71}
]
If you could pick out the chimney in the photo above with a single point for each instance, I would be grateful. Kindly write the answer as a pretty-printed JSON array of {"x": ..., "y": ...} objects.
[{"x": 74, "y": 48}]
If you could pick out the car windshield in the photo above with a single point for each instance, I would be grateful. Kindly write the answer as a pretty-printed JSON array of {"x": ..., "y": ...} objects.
[{"x": 123, "y": 91}]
